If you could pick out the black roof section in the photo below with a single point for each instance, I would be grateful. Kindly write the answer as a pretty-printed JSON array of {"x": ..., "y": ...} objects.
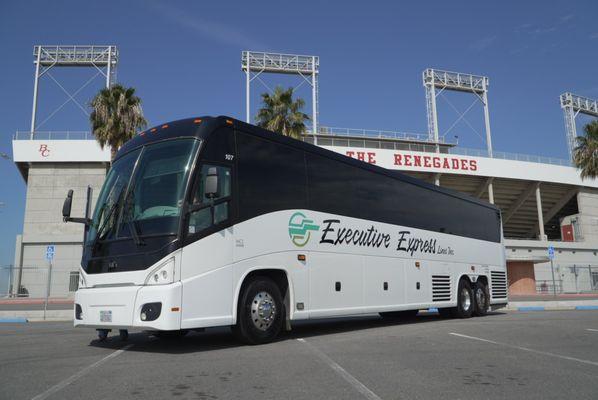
[{"x": 202, "y": 127}]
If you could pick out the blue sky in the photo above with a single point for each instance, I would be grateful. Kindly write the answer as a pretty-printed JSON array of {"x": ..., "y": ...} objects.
[{"x": 184, "y": 60}]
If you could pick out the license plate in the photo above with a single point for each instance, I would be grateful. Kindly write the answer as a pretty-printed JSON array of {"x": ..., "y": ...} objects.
[{"x": 105, "y": 316}]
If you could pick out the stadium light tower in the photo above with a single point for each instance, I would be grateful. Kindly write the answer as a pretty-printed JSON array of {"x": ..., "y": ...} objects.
[
  {"x": 434, "y": 79},
  {"x": 255, "y": 63},
  {"x": 573, "y": 105},
  {"x": 102, "y": 58}
]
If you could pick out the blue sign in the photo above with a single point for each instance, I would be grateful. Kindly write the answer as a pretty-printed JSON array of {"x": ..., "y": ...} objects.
[
  {"x": 50, "y": 250},
  {"x": 551, "y": 252}
]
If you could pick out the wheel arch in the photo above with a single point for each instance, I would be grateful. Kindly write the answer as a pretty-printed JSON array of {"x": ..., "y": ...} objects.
[{"x": 279, "y": 275}]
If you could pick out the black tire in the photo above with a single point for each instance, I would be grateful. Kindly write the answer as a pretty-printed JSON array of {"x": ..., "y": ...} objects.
[
  {"x": 481, "y": 297},
  {"x": 260, "y": 312},
  {"x": 465, "y": 302},
  {"x": 103, "y": 334},
  {"x": 405, "y": 314},
  {"x": 123, "y": 334},
  {"x": 170, "y": 335}
]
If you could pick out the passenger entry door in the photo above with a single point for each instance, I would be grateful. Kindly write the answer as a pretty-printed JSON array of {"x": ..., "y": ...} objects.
[{"x": 208, "y": 239}]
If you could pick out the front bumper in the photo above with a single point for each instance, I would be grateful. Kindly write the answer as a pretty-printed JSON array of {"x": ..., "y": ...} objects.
[{"x": 124, "y": 303}]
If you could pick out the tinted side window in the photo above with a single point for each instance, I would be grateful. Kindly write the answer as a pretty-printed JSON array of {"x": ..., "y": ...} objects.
[
  {"x": 206, "y": 212},
  {"x": 339, "y": 188},
  {"x": 271, "y": 177}
]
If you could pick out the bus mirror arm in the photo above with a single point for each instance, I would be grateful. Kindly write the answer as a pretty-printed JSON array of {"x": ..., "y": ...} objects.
[{"x": 68, "y": 204}]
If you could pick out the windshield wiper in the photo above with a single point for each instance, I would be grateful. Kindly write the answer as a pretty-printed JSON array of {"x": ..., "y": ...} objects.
[
  {"x": 134, "y": 228},
  {"x": 100, "y": 230}
]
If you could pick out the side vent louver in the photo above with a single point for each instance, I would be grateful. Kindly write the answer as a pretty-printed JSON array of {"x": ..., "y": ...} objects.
[
  {"x": 441, "y": 288},
  {"x": 499, "y": 284}
]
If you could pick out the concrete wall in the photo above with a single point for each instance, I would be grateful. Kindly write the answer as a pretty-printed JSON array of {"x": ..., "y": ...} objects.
[
  {"x": 587, "y": 201},
  {"x": 47, "y": 186}
]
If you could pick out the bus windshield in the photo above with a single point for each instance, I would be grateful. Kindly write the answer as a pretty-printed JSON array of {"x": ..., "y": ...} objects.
[{"x": 143, "y": 192}]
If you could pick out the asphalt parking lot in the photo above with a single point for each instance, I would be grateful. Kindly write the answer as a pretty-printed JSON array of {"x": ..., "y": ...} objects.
[{"x": 535, "y": 355}]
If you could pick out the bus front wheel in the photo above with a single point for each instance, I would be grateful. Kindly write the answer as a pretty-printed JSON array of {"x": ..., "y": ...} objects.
[{"x": 260, "y": 311}]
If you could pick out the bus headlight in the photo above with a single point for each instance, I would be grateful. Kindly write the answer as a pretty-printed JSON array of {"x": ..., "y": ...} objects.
[
  {"x": 162, "y": 275},
  {"x": 82, "y": 283}
]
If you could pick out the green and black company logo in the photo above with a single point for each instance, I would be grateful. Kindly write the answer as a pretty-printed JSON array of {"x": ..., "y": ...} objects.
[
  {"x": 300, "y": 228},
  {"x": 335, "y": 233}
]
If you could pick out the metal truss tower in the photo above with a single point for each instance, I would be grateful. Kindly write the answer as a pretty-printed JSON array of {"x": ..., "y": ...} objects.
[
  {"x": 102, "y": 58},
  {"x": 307, "y": 67},
  {"x": 434, "y": 79},
  {"x": 573, "y": 105}
]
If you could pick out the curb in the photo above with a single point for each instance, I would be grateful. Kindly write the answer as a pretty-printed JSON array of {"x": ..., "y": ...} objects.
[
  {"x": 576, "y": 308},
  {"x": 530, "y": 308},
  {"x": 14, "y": 320}
]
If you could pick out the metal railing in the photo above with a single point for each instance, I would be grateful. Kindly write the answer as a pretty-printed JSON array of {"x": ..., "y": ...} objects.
[
  {"x": 277, "y": 62},
  {"x": 75, "y": 55},
  {"x": 510, "y": 156},
  {"x": 570, "y": 279},
  {"x": 546, "y": 286},
  {"x": 54, "y": 135},
  {"x": 375, "y": 134}
]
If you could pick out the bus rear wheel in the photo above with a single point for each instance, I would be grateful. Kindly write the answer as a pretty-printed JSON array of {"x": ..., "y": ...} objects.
[
  {"x": 481, "y": 298},
  {"x": 465, "y": 300},
  {"x": 260, "y": 312}
]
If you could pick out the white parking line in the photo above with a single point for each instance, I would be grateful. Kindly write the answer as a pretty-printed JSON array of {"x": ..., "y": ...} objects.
[
  {"x": 592, "y": 330},
  {"x": 61, "y": 385},
  {"x": 545, "y": 353},
  {"x": 360, "y": 387}
]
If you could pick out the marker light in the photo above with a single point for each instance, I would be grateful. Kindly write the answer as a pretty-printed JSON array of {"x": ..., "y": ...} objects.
[
  {"x": 162, "y": 275},
  {"x": 228, "y": 121},
  {"x": 197, "y": 121},
  {"x": 164, "y": 126},
  {"x": 153, "y": 130}
]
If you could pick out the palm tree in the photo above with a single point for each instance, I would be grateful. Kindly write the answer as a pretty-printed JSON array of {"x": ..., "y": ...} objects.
[
  {"x": 116, "y": 116},
  {"x": 281, "y": 114},
  {"x": 585, "y": 156}
]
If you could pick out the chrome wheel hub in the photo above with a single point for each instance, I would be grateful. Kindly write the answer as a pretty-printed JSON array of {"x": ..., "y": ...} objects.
[
  {"x": 263, "y": 310},
  {"x": 465, "y": 299}
]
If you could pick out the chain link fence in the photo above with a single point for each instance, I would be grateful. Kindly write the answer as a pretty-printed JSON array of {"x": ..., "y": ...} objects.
[
  {"x": 39, "y": 282},
  {"x": 571, "y": 278}
]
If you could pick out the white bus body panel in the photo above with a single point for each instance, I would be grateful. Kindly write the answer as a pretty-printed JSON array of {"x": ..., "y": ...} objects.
[{"x": 210, "y": 273}]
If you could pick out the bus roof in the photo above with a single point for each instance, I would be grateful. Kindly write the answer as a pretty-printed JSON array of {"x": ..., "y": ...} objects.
[{"x": 202, "y": 127}]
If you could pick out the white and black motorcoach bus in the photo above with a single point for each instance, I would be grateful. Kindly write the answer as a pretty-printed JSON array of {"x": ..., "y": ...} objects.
[{"x": 214, "y": 222}]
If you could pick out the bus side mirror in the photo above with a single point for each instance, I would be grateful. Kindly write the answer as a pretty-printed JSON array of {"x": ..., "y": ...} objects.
[
  {"x": 212, "y": 184},
  {"x": 66, "y": 207},
  {"x": 68, "y": 204}
]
